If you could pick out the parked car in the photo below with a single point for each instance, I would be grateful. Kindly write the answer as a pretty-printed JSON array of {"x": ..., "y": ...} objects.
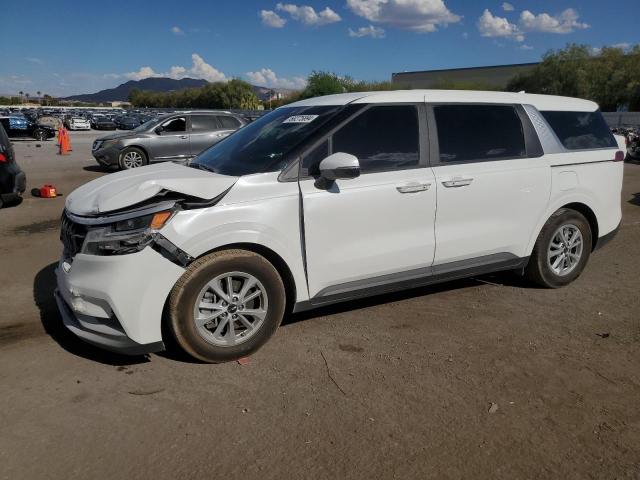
[
  {"x": 103, "y": 123},
  {"x": 331, "y": 199},
  {"x": 78, "y": 123},
  {"x": 175, "y": 137},
  {"x": 17, "y": 126},
  {"x": 12, "y": 179},
  {"x": 127, "y": 123}
]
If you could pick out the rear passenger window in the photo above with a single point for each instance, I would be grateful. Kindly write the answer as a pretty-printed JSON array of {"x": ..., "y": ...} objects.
[
  {"x": 203, "y": 123},
  {"x": 383, "y": 138},
  {"x": 229, "y": 123},
  {"x": 581, "y": 130},
  {"x": 479, "y": 133}
]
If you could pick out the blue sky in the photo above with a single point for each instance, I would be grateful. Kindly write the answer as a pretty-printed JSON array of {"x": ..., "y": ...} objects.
[{"x": 67, "y": 47}]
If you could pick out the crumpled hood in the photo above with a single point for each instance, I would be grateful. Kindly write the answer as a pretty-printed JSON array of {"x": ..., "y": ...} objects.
[{"x": 129, "y": 187}]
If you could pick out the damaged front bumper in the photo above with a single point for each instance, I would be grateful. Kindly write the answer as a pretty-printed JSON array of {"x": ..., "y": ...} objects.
[{"x": 116, "y": 302}]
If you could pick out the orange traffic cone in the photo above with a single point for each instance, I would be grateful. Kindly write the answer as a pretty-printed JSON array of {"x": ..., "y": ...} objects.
[
  {"x": 67, "y": 140},
  {"x": 63, "y": 141}
]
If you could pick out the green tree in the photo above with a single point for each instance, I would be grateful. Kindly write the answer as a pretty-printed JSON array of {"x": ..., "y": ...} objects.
[{"x": 609, "y": 77}]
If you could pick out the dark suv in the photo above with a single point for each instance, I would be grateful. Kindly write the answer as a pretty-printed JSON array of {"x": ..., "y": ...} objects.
[
  {"x": 12, "y": 179},
  {"x": 173, "y": 137}
]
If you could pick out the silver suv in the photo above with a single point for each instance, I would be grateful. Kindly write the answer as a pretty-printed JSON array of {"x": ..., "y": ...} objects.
[{"x": 174, "y": 137}]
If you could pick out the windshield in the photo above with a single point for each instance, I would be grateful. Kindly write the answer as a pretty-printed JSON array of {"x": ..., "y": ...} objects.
[
  {"x": 262, "y": 146},
  {"x": 147, "y": 125}
]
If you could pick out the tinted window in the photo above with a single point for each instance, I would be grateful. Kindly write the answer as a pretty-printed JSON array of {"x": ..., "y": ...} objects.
[
  {"x": 479, "y": 132},
  {"x": 176, "y": 125},
  {"x": 229, "y": 122},
  {"x": 203, "y": 123},
  {"x": 383, "y": 138},
  {"x": 580, "y": 130}
]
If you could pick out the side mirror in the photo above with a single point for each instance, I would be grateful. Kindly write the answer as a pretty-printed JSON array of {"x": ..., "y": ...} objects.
[
  {"x": 339, "y": 165},
  {"x": 159, "y": 129}
]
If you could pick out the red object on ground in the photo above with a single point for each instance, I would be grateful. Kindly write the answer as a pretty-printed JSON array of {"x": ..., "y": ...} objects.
[
  {"x": 48, "y": 191},
  {"x": 244, "y": 361}
]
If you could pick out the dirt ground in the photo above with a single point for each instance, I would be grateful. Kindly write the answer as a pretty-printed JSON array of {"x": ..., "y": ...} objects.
[{"x": 481, "y": 378}]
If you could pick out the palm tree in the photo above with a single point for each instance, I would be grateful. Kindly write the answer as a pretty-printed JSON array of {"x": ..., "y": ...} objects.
[
  {"x": 27, "y": 95},
  {"x": 21, "y": 93},
  {"x": 38, "y": 93}
]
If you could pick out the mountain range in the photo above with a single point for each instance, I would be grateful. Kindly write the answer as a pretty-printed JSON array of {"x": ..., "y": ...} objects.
[{"x": 157, "y": 84}]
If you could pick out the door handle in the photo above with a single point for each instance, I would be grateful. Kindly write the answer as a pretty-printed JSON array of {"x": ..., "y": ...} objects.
[
  {"x": 457, "y": 182},
  {"x": 413, "y": 187},
  {"x": 184, "y": 137}
]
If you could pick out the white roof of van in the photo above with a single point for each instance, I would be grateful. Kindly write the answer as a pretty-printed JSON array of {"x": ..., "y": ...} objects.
[{"x": 541, "y": 102}]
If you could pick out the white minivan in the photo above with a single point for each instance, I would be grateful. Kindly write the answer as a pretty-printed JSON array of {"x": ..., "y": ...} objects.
[{"x": 335, "y": 198}]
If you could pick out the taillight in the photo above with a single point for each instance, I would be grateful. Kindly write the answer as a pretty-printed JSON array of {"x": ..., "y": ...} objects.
[
  {"x": 619, "y": 156},
  {"x": 3, "y": 159}
]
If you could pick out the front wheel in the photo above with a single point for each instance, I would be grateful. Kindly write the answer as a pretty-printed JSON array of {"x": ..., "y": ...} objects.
[
  {"x": 132, "y": 157},
  {"x": 561, "y": 251},
  {"x": 226, "y": 305}
]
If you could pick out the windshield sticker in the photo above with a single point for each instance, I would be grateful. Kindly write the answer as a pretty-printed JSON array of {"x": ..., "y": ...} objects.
[{"x": 301, "y": 119}]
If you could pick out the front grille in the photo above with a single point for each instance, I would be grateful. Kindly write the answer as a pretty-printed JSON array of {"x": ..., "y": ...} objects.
[{"x": 72, "y": 236}]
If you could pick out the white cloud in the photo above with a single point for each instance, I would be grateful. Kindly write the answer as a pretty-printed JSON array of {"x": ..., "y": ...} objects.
[
  {"x": 507, "y": 7},
  {"x": 177, "y": 31},
  {"x": 370, "y": 31},
  {"x": 525, "y": 47},
  {"x": 266, "y": 77},
  {"x": 565, "y": 22},
  {"x": 492, "y": 26},
  {"x": 415, "y": 15},
  {"x": 308, "y": 15},
  {"x": 199, "y": 69},
  {"x": 34, "y": 60},
  {"x": 622, "y": 46},
  {"x": 272, "y": 19},
  {"x": 144, "y": 72}
]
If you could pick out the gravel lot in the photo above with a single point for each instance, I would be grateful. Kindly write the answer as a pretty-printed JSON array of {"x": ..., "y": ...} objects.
[{"x": 481, "y": 378}]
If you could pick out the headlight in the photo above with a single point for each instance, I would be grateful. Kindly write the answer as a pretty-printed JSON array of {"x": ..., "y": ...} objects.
[{"x": 126, "y": 236}]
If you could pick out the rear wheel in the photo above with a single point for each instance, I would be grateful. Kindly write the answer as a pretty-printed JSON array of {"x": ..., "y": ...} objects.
[
  {"x": 132, "y": 157},
  {"x": 226, "y": 305},
  {"x": 561, "y": 251}
]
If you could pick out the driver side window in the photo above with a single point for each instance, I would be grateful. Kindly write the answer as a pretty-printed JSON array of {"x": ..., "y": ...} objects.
[
  {"x": 175, "y": 125},
  {"x": 383, "y": 138}
]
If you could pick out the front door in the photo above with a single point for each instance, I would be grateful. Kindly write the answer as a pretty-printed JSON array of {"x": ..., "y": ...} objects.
[
  {"x": 171, "y": 141},
  {"x": 378, "y": 228}
]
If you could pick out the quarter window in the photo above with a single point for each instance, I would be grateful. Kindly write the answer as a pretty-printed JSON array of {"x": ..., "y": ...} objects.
[
  {"x": 478, "y": 133},
  {"x": 581, "y": 130},
  {"x": 229, "y": 123},
  {"x": 204, "y": 123},
  {"x": 383, "y": 138}
]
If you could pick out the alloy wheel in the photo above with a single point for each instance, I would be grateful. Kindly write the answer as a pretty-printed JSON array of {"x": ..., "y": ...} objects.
[
  {"x": 565, "y": 250},
  {"x": 132, "y": 160},
  {"x": 230, "y": 309}
]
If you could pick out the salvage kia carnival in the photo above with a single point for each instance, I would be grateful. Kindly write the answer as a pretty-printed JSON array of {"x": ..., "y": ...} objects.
[{"x": 331, "y": 199}]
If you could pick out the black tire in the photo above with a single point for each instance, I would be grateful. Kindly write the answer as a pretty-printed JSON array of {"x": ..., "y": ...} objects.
[
  {"x": 180, "y": 311},
  {"x": 40, "y": 135},
  {"x": 125, "y": 164},
  {"x": 539, "y": 269}
]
